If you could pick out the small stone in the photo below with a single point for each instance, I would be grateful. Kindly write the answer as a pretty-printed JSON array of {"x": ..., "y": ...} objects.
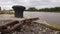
[{"x": 57, "y": 32}]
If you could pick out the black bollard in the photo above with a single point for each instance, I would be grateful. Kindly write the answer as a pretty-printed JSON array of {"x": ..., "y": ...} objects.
[{"x": 18, "y": 11}]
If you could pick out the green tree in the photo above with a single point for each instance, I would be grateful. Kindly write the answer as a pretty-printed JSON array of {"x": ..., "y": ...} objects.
[
  {"x": 32, "y": 9},
  {"x": 0, "y": 8}
]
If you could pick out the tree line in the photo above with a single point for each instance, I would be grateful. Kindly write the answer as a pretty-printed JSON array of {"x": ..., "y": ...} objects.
[{"x": 55, "y": 9}]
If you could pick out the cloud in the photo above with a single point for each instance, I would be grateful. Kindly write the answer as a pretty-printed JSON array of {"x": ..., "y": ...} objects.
[
  {"x": 29, "y": 3},
  {"x": 45, "y": 3}
]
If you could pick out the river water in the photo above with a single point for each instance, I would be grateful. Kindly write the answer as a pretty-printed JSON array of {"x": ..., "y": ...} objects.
[{"x": 49, "y": 17}]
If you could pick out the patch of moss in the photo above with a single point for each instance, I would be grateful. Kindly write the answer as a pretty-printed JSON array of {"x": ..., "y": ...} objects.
[
  {"x": 55, "y": 26},
  {"x": 52, "y": 26}
]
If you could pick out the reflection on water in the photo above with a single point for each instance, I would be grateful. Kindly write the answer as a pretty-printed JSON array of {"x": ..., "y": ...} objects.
[{"x": 52, "y": 18}]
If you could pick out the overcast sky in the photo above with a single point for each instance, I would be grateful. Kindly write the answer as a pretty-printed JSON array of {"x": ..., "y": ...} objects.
[{"x": 7, "y": 4}]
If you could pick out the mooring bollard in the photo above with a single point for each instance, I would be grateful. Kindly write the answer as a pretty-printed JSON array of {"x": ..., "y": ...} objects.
[{"x": 18, "y": 11}]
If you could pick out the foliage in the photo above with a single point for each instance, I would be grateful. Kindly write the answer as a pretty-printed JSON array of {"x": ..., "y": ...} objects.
[
  {"x": 0, "y": 8},
  {"x": 55, "y": 9},
  {"x": 31, "y": 9}
]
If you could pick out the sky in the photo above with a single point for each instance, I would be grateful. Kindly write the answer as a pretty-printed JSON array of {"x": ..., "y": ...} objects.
[{"x": 7, "y": 4}]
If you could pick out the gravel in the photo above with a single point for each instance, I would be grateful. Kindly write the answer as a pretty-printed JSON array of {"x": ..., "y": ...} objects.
[{"x": 34, "y": 28}]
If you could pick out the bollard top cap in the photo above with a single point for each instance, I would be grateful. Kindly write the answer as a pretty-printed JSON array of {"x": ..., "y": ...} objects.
[{"x": 18, "y": 6}]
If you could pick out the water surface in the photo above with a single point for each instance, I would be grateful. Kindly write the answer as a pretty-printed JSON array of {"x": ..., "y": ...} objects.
[{"x": 50, "y": 17}]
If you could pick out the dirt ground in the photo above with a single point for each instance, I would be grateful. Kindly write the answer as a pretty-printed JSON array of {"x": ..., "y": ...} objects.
[{"x": 32, "y": 28}]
